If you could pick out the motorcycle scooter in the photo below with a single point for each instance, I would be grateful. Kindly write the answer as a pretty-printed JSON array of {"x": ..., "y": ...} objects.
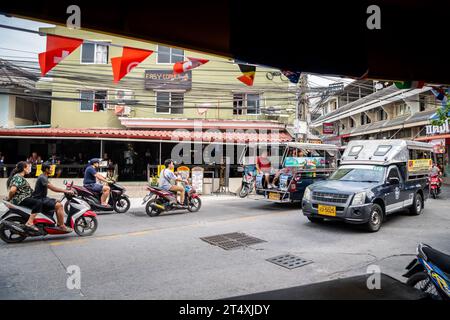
[
  {"x": 435, "y": 185},
  {"x": 81, "y": 219},
  {"x": 118, "y": 201},
  {"x": 159, "y": 200},
  {"x": 430, "y": 272}
]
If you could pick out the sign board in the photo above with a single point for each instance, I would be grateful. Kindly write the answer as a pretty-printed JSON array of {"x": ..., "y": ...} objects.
[
  {"x": 197, "y": 174},
  {"x": 420, "y": 165},
  {"x": 306, "y": 162},
  {"x": 432, "y": 130},
  {"x": 328, "y": 128},
  {"x": 166, "y": 79},
  {"x": 438, "y": 145},
  {"x": 335, "y": 87}
]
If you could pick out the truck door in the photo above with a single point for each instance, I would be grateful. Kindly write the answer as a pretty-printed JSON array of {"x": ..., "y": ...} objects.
[{"x": 395, "y": 193}]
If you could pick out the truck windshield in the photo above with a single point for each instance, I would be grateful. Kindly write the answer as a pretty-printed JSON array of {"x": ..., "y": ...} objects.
[{"x": 361, "y": 173}]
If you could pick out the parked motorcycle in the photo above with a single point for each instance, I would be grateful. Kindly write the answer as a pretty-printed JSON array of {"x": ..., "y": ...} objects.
[
  {"x": 248, "y": 184},
  {"x": 430, "y": 272},
  {"x": 435, "y": 185},
  {"x": 159, "y": 201},
  {"x": 118, "y": 200},
  {"x": 80, "y": 218}
]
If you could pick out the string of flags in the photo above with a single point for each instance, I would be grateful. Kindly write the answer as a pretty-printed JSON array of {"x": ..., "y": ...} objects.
[{"x": 60, "y": 47}]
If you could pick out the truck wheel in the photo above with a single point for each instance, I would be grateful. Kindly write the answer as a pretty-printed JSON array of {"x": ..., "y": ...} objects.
[
  {"x": 375, "y": 219},
  {"x": 417, "y": 207},
  {"x": 315, "y": 219}
]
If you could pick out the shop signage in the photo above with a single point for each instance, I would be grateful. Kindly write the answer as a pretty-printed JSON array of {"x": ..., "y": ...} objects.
[
  {"x": 419, "y": 165},
  {"x": 197, "y": 174},
  {"x": 438, "y": 145},
  {"x": 328, "y": 128},
  {"x": 166, "y": 79},
  {"x": 432, "y": 130}
]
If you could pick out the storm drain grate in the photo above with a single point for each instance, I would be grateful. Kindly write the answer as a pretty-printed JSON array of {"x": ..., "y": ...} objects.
[
  {"x": 230, "y": 241},
  {"x": 289, "y": 261}
]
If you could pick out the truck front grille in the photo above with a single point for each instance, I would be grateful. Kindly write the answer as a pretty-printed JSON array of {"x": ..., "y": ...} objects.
[{"x": 330, "y": 197}]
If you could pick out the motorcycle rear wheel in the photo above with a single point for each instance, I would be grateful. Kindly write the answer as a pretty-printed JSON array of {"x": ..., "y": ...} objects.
[
  {"x": 150, "y": 211},
  {"x": 10, "y": 236}
]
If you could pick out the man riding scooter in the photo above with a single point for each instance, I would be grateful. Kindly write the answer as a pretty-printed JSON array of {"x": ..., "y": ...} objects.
[
  {"x": 90, "y": 181},
  {"x": 168, "y": 180},
  {"x": 48, "y": 204}
]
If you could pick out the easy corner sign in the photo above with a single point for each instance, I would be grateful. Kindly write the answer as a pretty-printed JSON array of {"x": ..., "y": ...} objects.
[{"x": 167, "y": 79}]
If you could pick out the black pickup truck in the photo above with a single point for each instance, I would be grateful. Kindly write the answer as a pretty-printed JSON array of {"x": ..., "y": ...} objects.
[{"x": 387, "y": 177}]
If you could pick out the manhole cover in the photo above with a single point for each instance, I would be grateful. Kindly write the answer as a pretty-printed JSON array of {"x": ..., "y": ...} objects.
[
  {"x": 230, "y": 241},
  {"x": 289, "y": 261}
]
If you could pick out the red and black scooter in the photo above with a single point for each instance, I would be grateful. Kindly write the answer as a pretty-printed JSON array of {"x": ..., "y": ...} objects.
[
  {"x": 159, "y": 200},
  {"x": 435, "y": 185}
]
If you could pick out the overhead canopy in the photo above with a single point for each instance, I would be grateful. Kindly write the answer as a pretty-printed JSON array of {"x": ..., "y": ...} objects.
[{"x": 306, "y": 36}]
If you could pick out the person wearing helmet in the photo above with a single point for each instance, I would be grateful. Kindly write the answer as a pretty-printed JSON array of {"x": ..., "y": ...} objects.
[
  {"x": 90, "y": 181},
  {"x": 49, "y": 204},
  {"x": 168, "y": 180}
]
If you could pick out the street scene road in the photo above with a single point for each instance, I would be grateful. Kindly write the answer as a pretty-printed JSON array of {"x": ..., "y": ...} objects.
[{"x": 133, "y": 256}]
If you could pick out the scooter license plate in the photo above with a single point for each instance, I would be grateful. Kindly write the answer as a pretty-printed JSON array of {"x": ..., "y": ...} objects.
[{"x": 274, "y": 196}]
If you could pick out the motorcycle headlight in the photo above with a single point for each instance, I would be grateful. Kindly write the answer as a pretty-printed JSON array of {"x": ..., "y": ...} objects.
[
  {"x": 307, "y": 195},
  {"x": 359, "y": 199}
]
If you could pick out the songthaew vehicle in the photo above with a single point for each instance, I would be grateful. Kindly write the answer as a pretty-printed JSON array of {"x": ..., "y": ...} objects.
[
  {"x": 375, "y": 178},
  {"x": 302, "y": 164}
]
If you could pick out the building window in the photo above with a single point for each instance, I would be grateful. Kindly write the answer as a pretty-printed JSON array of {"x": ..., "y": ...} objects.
[
  {"x": 169, "y": 55},
  {"x": 365, "y": 119},
  {"x": 94, "y": 53},
  {"x": 93, "y": 101},
  {"x": 343, "y": 126},
  {"x": 352, "y": 123},
  {"x": 25, "y": 109},
  {"x": 402, "y": 109},
  {"x": 246, "y": 104},
  {"x": 169, "y": 102},
  {"x": 381, "y": 114},
  {"x": 422, "y": 103}
]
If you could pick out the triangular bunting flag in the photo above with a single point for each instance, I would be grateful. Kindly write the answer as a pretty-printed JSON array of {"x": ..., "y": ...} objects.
[
  {"x": 56, "y": 50},
  {"x": 292, "y": 76},
  {"x": 183, "y": 66},
  {"x": 131, "y": 57},
  {"x": 249, "y": 74},
  {"x": 409, "y": 84}
]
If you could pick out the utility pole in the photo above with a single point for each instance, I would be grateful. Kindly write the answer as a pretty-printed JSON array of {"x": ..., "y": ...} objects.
[{"x": 302, "y": 111}]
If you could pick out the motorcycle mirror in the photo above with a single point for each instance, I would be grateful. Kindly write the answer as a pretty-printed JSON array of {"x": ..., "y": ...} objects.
[{"x": 65, "y": 182}]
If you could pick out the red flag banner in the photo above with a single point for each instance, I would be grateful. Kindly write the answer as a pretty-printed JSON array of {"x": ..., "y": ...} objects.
[
  {"x": 131, "y": 57},
  {"x": 249, "y": 74},
  {"x": 57, "y": 49},
  {"x": 183, "y": 66}
]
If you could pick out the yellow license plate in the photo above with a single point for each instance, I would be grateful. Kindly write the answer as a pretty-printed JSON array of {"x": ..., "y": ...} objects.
[
  {"x": 274, "y": 196},
  {"x": 327, "y": 210}
]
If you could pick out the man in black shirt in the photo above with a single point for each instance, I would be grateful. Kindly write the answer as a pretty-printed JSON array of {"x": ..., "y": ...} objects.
[{"x": 49, "y": 204}]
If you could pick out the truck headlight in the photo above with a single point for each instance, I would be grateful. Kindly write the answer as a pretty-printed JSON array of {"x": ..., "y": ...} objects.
[
  {"x": 359, "y": 199},
  {"x": 307, "y": 194}
]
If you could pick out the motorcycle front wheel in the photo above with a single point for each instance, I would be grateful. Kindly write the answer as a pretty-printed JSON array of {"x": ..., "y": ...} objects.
[
  {"x": 244, "y": 191},
  {"x": 122, "y": 205},
  {"x": 194, "y": 204},
  {"x": 85, "y": 226},
  {"x": 422, "y": 282}
]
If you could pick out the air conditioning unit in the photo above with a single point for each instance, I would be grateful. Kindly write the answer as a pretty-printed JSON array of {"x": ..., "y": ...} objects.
[{"x": 122, "y": 110}]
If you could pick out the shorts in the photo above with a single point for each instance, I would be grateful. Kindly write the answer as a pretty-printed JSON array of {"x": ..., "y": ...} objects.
[
  {"x": 94, "y": 187},
  {"x": 48, "y": 205},
  {"x": 34, "y": 204}
]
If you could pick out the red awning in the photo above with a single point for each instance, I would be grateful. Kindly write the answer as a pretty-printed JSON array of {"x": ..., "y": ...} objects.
[
  {"x": 150, "y": 135},
  {"x": 429, "y": 138}
]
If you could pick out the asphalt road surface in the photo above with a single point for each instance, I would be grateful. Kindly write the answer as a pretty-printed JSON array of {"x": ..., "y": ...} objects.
[{"x": 133, "y": 256}]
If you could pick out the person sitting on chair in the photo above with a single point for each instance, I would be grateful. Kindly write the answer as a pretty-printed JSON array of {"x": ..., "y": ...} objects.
[{"x": 168, "y": 180}]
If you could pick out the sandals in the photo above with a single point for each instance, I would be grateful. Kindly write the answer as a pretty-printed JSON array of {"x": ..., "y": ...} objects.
[{"x": 64, "y": 228}]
